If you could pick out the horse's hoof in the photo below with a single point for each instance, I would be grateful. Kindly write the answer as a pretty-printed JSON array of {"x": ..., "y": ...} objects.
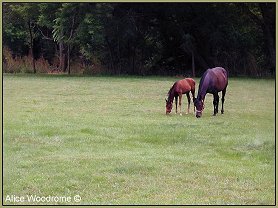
[
  {"x": 180, "y": 114},
  {"x": 222, "y": 112}
]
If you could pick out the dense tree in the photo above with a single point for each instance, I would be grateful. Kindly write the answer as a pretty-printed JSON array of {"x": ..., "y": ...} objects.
[
  {"x": 48, "y": 12},
  {"x": 263, "y": 15},
  {"x": 145, "y": 38},
  {"x": 26, "y": 13}
]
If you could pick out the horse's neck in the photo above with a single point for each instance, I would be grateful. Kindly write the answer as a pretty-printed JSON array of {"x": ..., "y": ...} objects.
[
  {"x": 203, "y": 89},
  {"x": 171, "y": 95},
  {"x": 201, "y": 96}
]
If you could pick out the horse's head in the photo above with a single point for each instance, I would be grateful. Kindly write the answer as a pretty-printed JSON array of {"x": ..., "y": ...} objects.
[
  {"x": 169, "y": 106},
  {"x": 199, "y": 104}
]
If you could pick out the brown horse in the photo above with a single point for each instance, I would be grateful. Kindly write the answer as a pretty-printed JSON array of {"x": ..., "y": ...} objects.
[
  {"x": 213, "y": 81},
  {"x": 179, "y": 88}
]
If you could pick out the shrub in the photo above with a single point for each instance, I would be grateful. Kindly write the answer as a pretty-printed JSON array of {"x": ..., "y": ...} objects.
[
  {"x": 23, "y": 64},
  {"x": 10, "y": 64},
  {"x": 95, "y": 67},
  {"x": 42, "y": 65}
]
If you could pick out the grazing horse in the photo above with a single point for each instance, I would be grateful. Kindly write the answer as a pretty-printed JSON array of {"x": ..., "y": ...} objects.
[
  {"x": 213, "y": 81},
  {"x": 179, "y": 88}
]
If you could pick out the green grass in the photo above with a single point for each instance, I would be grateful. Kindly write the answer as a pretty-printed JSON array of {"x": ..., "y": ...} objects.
[{"x": 108, "y": 140}]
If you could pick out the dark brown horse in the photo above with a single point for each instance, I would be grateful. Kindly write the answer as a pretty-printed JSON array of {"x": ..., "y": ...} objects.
[
  {"x": 213, "y": 81},
  {"x": 179, "y": 88}
]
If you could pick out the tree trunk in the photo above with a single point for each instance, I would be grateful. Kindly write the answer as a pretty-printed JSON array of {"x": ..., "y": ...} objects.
[
  {"x": 201, "y": 61},
  {"x": 110, "y": 54},
  {"x": 32, "y": 46},
  {"x": 68, "y": 58},
  {"x": 69, "y": 40},
  {"x": 119, "y": 56},
  {"x": 133, "y": 59},
  {"x": 62, "y": 57},
  {"x": 119, "y": 52},
  {"x": 193, "y": 64}
]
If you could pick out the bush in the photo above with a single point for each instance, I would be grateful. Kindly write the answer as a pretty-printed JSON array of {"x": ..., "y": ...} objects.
[
  {"x": 95, "y": 67},
  {"x": 23, "y": 64},
  {"x": 10, "y": 64},
  {"x": 42, "y": 65}
]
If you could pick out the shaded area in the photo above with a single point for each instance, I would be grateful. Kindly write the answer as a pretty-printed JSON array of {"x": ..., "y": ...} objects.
[{"x": 139, "y": 38}]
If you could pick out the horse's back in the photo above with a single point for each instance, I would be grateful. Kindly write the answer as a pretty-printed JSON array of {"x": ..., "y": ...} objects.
[
  {"x": 191, "y": 82},
  {"x": 185, "y": 85},
  {"x": 220, "y": 72},
  {"x": 220, "y": 77}
]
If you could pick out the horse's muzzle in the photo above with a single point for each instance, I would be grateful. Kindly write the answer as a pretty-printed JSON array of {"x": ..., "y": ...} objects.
[{"x": 198, "y": 113}]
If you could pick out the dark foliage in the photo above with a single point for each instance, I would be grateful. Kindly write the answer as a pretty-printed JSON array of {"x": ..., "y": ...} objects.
[{"x": 144, "y": 38}]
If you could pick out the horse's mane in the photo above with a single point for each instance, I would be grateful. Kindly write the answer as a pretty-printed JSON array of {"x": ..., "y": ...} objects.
[
  {"x": 202, "y": 82},
  {"x": 203, "y": 77},
  {"x": 171, "y": 94}
]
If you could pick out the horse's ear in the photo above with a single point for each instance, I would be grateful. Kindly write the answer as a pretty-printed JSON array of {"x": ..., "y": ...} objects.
[{"x": 166, "y": 100}]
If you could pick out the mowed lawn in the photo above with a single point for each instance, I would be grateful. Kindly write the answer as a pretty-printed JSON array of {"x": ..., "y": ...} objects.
[{"x": 108, "y": 140}]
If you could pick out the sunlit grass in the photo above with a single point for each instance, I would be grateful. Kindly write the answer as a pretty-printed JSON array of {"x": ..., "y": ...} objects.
[{"x": 108, "y": 140}]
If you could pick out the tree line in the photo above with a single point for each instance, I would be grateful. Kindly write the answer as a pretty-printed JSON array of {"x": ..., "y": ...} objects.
[{"x": 142, "y": 38}]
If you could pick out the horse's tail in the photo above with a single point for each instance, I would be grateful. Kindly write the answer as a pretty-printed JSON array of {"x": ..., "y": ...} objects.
[
  {"x": 226, "y": 72},
  {"x": 193, "y": 89},
  {"x": 192, "y": 85},
  {"x": 191, "y": 82}
]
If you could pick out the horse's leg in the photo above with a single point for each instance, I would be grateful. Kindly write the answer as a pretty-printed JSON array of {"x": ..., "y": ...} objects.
[
  {"x": 188, "y": 99},
  {"x": 215, "y": 103},
  {"x": 180, "y": 97},
  {"x": 193, "y": 98},
  {"x": 176, "y": 102},
  {"x": 223, "y": 99}
]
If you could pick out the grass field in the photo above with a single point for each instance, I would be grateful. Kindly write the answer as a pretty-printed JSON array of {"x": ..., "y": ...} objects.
[{"x": 108, "y": 140}]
